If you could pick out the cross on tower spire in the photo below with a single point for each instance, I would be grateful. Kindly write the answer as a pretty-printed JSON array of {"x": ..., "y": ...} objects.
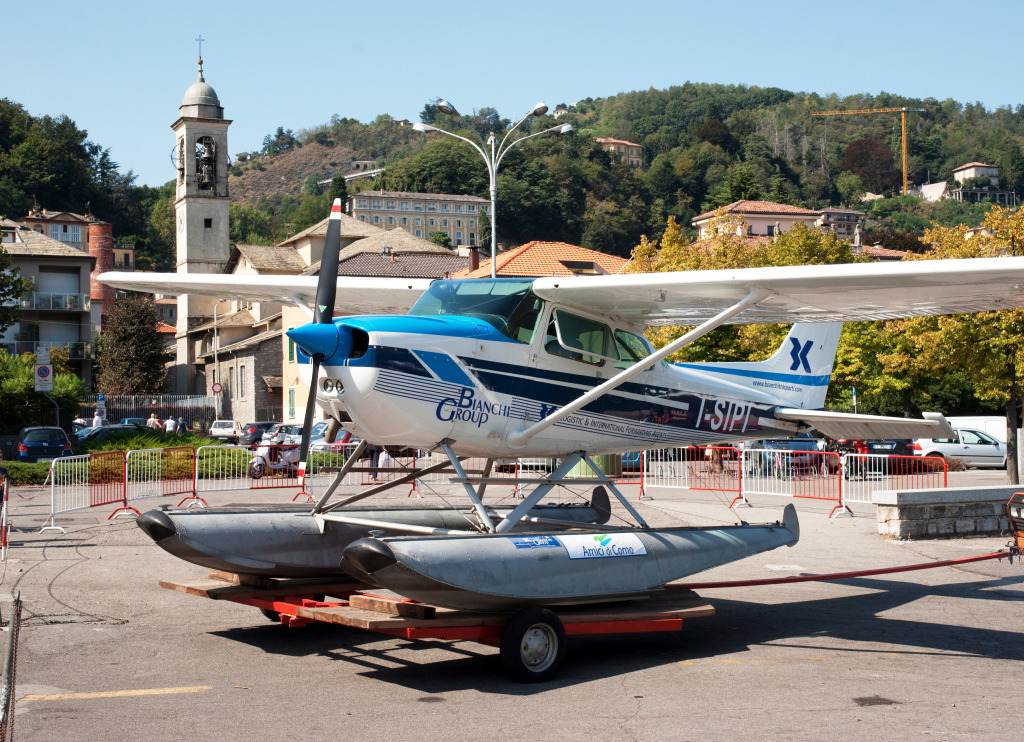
[{"x": 200, "y": 39}]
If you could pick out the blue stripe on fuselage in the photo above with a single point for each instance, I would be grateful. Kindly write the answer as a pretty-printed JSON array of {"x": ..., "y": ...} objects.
[
  {"x": 755, "y": 374},
  {"x": 444, "y": 367}
]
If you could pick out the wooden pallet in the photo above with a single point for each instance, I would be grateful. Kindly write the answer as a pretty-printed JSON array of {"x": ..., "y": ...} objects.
[{"x": 365, "y": 607}]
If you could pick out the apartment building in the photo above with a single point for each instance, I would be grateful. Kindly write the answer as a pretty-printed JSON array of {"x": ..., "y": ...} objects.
[
  {"x": 421, "y": 214},
  {"x": 628, "y": 151}
]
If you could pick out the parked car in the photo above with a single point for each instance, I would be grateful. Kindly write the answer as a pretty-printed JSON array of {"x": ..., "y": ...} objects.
[
  {"x": 280, "y": 433},
  {"x": 252, "y": 433},
  {"x": 140, "y": 421},
  {"x": 41, "y": 444},
  {"x": 226, "y": 430},
  {"x": 879, "y": 455},
  {"x": 98, "y": 434},
  {"x": 784, "y": 457},
  {"x": 973, "y": 447}
]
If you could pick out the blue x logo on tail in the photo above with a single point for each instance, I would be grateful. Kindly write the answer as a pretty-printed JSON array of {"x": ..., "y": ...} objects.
[{"x": 800, "y": 355}]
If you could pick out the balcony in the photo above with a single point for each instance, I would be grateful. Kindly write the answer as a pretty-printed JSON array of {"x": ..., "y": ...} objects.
[
  {"x": 75, "y": 351},
  {"x": 52, "y": 302}
]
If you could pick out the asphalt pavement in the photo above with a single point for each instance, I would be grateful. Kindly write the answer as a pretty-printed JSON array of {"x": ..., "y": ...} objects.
[{"x": 106, "y": 654}]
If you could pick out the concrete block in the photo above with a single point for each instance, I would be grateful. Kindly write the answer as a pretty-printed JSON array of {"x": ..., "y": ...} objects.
[{"x": 965, "y": 526}]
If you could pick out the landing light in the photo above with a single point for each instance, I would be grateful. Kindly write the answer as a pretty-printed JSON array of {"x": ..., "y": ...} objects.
[{"x": 328, "y": 386}]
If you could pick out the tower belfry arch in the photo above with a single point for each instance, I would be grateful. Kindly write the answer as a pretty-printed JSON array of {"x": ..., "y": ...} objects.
[{"x": 200, "y": 209}]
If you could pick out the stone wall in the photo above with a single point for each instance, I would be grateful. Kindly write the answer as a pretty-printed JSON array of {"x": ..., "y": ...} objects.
[{"x": 944, "y": 513}]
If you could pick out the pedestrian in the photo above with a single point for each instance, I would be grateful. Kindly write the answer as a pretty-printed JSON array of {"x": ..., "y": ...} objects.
[
  {"x": 169, "y": 425},
  {"x": 153, "y": 423},
  {"x": 97, "y": 419},
  {"x": 374, "y": 451},
  {"x": 79, "y": 420},
  {"x": 181, "y": 428}
]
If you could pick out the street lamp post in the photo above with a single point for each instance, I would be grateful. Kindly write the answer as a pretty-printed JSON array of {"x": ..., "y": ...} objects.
[
  {"x": 493, "y": 157},
  {"x": 216, "y": 354}
]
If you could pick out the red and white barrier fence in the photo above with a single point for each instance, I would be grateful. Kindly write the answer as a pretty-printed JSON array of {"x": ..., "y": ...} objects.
[
  {"x": 89, "y": 481},
  {"x": 116, "y": 478}
]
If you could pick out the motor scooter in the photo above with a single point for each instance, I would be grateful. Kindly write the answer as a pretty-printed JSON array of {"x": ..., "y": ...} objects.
[{"x": 274, "y": 459}]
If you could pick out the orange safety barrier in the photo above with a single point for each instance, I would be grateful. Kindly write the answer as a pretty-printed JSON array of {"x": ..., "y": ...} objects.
[
  {"x": 274, "y": 465},
  {"x": 107, "y": 481}
]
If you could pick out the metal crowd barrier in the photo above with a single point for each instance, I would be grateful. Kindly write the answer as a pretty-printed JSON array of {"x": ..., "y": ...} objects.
[
  {"x": 92, "y": 480},
  {"x": 116, "y": 478},
  {"x": 156, "y": 472},
  {"x": 863, "y": 474}
]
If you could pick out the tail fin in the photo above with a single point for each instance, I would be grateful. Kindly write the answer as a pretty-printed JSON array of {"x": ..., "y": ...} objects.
[{"x": 799, "y": 371}]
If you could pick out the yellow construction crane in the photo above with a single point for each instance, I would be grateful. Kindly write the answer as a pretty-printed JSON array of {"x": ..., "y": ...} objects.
[{"x": 903, "y": 120}]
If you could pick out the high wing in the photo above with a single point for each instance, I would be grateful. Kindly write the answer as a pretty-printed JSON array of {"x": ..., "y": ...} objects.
[
  {"x": 808, "y": 293},
  {"x": 355, "y": 295}
]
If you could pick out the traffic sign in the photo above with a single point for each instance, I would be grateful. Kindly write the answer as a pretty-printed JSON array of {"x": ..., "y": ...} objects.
[
  {"x": 101, "y": 397},
  {"x": 43, "y": 355},
  {"x": 44, "y": 377},
  {"x": 216, "y": 388}
]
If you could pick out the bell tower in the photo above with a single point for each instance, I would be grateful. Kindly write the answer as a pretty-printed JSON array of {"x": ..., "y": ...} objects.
[{"x": 200, "y": 208}]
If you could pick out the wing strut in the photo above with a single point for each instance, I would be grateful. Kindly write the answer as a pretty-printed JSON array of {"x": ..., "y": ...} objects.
[{"x": 520, "y": 437}]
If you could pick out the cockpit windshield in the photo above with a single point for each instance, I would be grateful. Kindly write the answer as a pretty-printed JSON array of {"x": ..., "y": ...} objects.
[{"x": 505, "y": 303}]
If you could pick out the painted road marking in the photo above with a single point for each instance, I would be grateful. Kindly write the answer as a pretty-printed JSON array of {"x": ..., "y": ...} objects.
[{"x": 119, "y": 693}]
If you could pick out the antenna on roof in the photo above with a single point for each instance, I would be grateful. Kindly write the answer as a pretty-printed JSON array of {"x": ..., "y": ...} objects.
[{"x": 386, "y": 250}]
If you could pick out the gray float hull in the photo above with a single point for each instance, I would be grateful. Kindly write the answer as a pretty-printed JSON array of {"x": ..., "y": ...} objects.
[
  {"x": 288, "y": 542},
  {"x": 507, "y": 572}
]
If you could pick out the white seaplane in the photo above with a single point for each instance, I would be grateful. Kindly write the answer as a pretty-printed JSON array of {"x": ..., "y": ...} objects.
[{"x": 553, "y": 367}]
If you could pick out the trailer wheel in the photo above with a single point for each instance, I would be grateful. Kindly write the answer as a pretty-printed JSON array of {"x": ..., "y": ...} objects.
[
  {"x": 533, "y": 645},
  {"x": 271, "y": 615}
]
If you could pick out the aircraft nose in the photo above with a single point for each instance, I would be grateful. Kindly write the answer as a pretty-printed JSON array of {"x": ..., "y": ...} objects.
[
  {"x": 326, "y": 339},
  {"x": 157, "y": 525}
]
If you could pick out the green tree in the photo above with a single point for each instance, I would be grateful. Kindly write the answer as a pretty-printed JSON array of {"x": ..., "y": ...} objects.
[
  {"x": 130, "y": 355},
  {"x": 850, "y": 187},
  {"x": 248, "y": 225},
  {"x": 22, "y": 404},
  {"x": 442, "y": 239},
  {"x": 12, "y": 286}
]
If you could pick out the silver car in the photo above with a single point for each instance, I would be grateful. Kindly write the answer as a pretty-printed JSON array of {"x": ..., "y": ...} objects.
[{"x": 973, "y": 447}]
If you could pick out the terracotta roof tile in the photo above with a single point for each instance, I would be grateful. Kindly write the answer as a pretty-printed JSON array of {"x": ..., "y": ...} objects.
[
  {"x": 757, "y": 207},
  {"x": 400, "y": 242},
  {"x": 350, "y": 227},
  {"x": 538, "y": 259},
  {"x": 609, "y": 140},
  {"x": 30, "y": 243},
  {"x": 278, "y": 258},
  {"x": 877, "y": 251},
  {"x": 163, "y": 327},
  {"x": 972, "y": 164},
  {"x": 405, "y": 265}
]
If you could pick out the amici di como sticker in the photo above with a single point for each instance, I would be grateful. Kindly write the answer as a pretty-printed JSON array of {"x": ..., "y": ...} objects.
[{"x": 603, "y": 545}]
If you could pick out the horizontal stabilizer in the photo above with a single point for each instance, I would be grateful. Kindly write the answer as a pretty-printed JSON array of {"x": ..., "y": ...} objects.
[{"x": 844, "y": 425}]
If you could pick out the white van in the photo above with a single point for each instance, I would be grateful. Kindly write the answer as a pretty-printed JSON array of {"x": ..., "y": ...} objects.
[{"x": 994, "y": 425}]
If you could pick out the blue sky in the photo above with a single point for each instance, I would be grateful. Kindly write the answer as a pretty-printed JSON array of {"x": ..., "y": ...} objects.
[{"x": 119, "y": 69}]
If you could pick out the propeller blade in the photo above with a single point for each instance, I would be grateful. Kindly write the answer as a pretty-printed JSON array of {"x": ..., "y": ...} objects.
[
  {"x": 307, "y": 423},
  {"x": 323, "y": 314},
  {"x": 327, "y": 286}
]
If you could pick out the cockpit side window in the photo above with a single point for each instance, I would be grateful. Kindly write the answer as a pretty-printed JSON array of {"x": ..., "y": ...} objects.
[{"x": 522, "y": 323}]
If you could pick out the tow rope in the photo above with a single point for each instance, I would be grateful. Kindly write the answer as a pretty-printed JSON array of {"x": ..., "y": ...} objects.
[{"x": 845, "y": 575}]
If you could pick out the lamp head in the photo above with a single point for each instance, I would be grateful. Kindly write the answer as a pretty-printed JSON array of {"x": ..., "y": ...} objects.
[
  {"x": 539, "y": 109},
  {"x": 424, "y": 128},
  {"x": 447, "y": 108},
  {"x": 564, "y": 128}
]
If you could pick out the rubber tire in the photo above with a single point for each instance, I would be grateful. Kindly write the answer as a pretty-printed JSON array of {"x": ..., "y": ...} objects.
[
  {"x": 271, "y": 615},
  {"x": 255, "y": 471},
  {"x": 538, "y": 632}
]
